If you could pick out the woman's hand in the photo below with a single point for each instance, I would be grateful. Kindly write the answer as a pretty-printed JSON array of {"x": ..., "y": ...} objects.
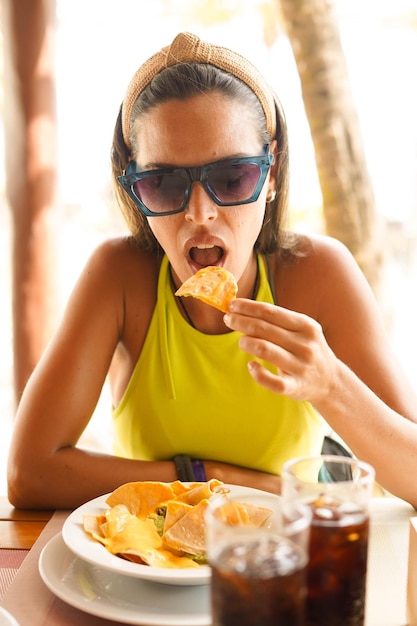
[{"x": 293, "y": 342}]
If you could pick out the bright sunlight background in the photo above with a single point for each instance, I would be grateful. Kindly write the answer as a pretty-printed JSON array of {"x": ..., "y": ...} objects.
[{"x": 100, "y": 43}]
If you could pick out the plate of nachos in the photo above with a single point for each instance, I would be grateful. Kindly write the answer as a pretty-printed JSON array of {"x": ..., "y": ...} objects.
[{"x": 149, "y": 530}]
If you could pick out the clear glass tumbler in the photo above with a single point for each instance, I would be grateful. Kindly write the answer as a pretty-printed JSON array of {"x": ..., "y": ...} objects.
[
  {"x": 257, "y": 548},
  {"x": 338, "y": 490}
]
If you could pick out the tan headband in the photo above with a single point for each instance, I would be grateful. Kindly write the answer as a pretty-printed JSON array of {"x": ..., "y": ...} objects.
[{"x": 189, "y": 48}]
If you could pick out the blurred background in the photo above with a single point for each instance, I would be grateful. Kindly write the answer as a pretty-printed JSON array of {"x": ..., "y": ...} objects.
[{"x": 98, "y": 46}]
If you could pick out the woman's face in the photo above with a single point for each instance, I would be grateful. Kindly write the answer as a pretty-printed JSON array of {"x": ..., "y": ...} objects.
[{"x": 200, "y": 130}]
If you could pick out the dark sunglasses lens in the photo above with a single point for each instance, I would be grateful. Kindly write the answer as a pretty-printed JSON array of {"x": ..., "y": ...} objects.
[
  {"x": 234, "y": 183},
  {"x": 162, "y": 193}
]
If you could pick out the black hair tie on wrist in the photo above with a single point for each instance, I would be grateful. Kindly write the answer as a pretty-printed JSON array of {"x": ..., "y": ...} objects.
[
  {"x": 189, "y": 470},
  {"x": 184, "y": 467}
]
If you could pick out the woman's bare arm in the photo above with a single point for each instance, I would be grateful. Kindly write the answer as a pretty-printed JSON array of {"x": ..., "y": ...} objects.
[
  {"x": 46, "y": 468},
  {"x": 340, "y": 361}
]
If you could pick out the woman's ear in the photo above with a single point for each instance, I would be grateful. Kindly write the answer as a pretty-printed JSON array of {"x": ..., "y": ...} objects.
[
  {"x": 272, "y": 183},
  {"x": 273, "y": 149}
]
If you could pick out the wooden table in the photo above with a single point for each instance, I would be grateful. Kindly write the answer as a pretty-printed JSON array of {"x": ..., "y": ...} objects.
[
  {"x": 19, "y": 529},
  {"x": 23, "y": 534}
]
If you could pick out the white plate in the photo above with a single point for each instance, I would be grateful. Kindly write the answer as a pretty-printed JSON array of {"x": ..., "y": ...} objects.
[
  {"x": 6, "y": 619},
  {"x": 87, "y": 548},
  {"x": 120, "y": 598}
]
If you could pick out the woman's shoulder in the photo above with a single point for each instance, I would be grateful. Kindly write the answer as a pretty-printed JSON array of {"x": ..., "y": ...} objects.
[
  {"x": 120, "y": 273},
  {"x": 120, "y": 257},
  {"x": 123, "y": 249},
  {"x": 311, "y": 246},
  {"x": 309, "y": 268},
  {"x": 303, "y": 252},
  {"x": 119, "y": 283}
]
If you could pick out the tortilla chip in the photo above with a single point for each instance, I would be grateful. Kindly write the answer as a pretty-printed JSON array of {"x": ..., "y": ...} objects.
[
  {"x": 244, "y": 514},
  {"x": 136, "y": 539},
  {"x": 174, "y": 511},
  {"x": 199, "y": 491},
  {"x": 156, "y": 523},
  {"x": 179, "y": 487},
  {"x": 142, "y": 497},
  {"x": 213, "y": 285},
  {"x": 93, "y": 525},
  {"x": 188, "y": 534}
]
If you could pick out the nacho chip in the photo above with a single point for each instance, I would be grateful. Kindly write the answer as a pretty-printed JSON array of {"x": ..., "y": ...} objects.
[
  {"x": 242, "y": 513},
  {"x": 199, "y": 491},
  {"x": 143, "y": 497},
  {"x": 213, "y": 285},
  {"x": 174, "y": 511},
  {"x": 128, "y": 536},
  {"x": 162, "y": 524},
  {"x": 93, "y": 525},
  {"x": 187, "y": 535}
]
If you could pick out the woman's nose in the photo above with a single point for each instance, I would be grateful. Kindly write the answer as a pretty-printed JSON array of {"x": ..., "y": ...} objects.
[{"x": 200, "y": 207}]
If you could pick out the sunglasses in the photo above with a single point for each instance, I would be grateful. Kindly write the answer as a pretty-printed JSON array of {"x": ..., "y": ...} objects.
[{"x": 166, "y": 191}]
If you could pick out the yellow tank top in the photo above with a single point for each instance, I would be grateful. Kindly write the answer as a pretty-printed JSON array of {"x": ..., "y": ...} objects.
[{"x": 191, "y": 393}]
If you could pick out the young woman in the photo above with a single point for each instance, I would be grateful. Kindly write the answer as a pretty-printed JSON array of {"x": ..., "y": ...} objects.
[{"x": 200, "y": 163}]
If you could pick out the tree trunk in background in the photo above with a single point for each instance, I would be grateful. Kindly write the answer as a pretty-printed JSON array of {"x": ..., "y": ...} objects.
[
  {"x": 348, "y": 198},
  {"x": 31, "y": 173}
]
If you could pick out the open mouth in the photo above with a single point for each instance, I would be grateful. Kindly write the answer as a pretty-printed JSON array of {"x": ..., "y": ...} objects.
[{"x": 206, "y": 254}]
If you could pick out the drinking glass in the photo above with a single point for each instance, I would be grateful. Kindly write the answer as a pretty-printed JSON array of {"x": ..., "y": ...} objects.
[
  {"x": 338, "y": 490},
  {"x": 257, "y": 548}
]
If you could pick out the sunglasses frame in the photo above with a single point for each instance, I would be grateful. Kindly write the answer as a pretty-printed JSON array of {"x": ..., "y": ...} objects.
[{"x": 195, "y": 174}]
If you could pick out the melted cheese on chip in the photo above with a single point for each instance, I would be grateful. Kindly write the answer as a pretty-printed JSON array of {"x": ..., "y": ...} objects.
[{"x": 125, "y": 534}]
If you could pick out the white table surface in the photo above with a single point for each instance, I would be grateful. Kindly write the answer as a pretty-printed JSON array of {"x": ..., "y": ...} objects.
[{"x": 388, "y": 562}]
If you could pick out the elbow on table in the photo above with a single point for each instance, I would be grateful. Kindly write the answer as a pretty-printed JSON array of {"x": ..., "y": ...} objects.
[{"x": 25, "y": 487}]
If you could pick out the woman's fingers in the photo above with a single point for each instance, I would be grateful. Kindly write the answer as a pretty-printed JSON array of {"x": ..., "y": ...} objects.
[
  {"x": 263, "y": 312},
  {"x": 275, "y": 334},
  {"x": 292, "y": 342}
]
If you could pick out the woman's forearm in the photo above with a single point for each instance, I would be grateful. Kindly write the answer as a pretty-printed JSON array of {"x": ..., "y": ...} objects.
[
  {"x": 374, "y": 432},
  {"x": 74, "y": 476}
]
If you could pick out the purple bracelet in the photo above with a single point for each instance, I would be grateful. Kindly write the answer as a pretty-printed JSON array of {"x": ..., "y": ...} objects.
[{"x": 199, "y": 471}]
